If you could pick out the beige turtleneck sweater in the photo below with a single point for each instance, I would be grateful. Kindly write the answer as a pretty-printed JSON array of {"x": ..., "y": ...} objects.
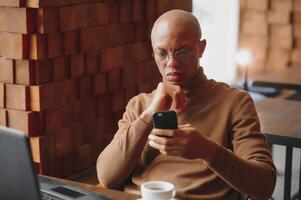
[{"x": 243, "y": 163}]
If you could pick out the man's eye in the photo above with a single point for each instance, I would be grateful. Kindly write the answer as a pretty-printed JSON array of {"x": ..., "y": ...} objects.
[{"x": 181, "y": 53}]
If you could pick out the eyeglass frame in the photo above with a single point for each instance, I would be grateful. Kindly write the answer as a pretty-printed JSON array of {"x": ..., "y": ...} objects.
[{"x": 174, "y": 54}]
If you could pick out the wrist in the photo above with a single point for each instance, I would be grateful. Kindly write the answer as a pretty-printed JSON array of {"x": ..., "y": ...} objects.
[
  {"x": 212, "y": 149},
  {"x": 147, "y": 116}
]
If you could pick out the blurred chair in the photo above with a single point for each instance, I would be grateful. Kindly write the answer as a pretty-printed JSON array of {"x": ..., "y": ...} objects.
[{"x": 289, "y": 144}]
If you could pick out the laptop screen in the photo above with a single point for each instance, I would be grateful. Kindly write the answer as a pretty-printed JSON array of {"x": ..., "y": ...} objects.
[{"x": 17, "y": 176}]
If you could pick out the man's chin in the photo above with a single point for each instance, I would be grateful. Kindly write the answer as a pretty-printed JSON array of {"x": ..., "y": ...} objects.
[{"x": 175, "y": 82}]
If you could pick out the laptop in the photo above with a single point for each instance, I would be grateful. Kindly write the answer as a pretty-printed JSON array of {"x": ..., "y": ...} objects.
[{"x": 18, "y": 179}]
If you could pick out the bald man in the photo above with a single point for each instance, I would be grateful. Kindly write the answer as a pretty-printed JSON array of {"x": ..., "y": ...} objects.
[{"x": 217, "y": 152}]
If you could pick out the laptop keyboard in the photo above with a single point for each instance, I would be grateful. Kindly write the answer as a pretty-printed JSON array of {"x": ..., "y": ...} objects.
[{"x": 46, "y": 196}]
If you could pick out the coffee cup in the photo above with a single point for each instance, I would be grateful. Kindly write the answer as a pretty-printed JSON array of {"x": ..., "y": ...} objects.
[{"x": 157, "y": 190}]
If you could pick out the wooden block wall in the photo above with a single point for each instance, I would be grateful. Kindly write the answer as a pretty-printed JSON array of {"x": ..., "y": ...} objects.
[
  {"x": 67, "y": 70},
  {"x": 271, "y": 29}
]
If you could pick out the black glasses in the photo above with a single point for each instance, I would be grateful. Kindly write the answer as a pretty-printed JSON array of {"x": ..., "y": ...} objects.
[{"x": 181, "y": 55}]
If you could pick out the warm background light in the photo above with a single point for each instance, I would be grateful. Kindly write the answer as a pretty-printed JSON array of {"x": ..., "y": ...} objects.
[{"x": 243, "y": 57}]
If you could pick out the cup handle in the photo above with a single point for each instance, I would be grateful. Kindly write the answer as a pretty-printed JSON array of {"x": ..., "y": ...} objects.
[{"x": 173, "y": 193}]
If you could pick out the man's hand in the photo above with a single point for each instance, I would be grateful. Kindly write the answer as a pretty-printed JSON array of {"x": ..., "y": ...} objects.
[
  {"x": 185, "y": 142},
  {"x": 166, "y": 96}
]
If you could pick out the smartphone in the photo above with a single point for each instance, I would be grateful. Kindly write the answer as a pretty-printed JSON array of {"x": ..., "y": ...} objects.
[{"x": 165, "y": 120}]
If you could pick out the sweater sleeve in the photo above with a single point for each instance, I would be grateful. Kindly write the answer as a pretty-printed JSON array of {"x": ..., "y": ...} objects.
[
  {"x": 119, "y": 158},
  {"x": 248, "y": 166}
]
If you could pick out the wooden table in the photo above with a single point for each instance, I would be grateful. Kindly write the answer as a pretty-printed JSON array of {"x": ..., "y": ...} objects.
[
  {"x": 114, "y": 194},
  {"x": 281, "y": 122},
  {"x": 289, "y": 78}
]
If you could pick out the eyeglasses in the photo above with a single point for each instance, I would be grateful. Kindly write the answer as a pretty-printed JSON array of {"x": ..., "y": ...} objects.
[{"x": 180, "y": 55}]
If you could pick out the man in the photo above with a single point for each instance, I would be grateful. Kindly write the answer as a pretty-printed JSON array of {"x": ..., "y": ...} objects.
[{"x": 216, "y": 153}]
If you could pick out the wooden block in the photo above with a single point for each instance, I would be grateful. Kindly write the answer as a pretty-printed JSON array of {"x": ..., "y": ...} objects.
[
  {"x": 145, "y": 87},
  {"x": 118, "y": 101},
  {"x": 2, "y": 95},
  {"x": 55, "y": 166},
  {"x": 84, "y": 109},
  {"x": 281, "y": 37},
  {"x": 17, "y": 96},
  {"x": 114, "y": 34},
  {"x": 138, "y": 10},
  {"x": 14, "y": 45},
  {"x": 260, "y": 5},
  {"x": 99, "y": 83},
  {"x": 257, "y": 44},
  {"x": 72, "y": 17},
  {"x": 145, "y": 70},
  {"x": 285, "y": 43},
  {"x": 25, "y": 72},
  {"x": 77, "y": 65},
  {"x": 60, "y": 68},
  {"x": 99, "y": 129},
  {"x": 58, "y": 118},
  {"x": 130, "y": 92},
  {"x": 85, "y": 86},
  {"x": 278, "y": 59},
  {"x": 77, "y": 135},
  {"x": 139, "y": 51},
  {"x": 296, "y": 57},
  {"x": 97, "y": 14},
  {"x": 12, "y": 3},
  {"x": 128, "y": 33},
  {"x": 87, "y": 39},
  {"x": 48, "y": 20},
  {"x": 297, "y": 43},
  {"x": 55, "y": 45},
  {"x": 114, "y": 80},
  {"x": 296, "y": 17},
  {"x": 43, "y": 71},
  {"x": 39, "y": 148},
  {"x": 278, "y": 17},
  {"x": 88, "y": 131},
  {"x": 255, "y": 19},
  {"x": 127, "y": 76},
  {"x": 297, "y": 30},
  {"x": 69, "y": 164},
  {"x": 281, "y": 5},
  {"x": 151, "y": 12},
  {"x": 38, "y": 46},
  {"x": 3, "y": 115},
  {"x": 6, "y": 70},
  {"x": 91, "y": 62},
  {"x": 40, "y": 98},
  {"x": 84, "y": 160},
  {"x": 114, "y": 10},
  {"x": 63, "y": 142},
  {"x": 104, "y": 104},
  {"x": 141, "y": 31},
  {"x": 297, "y": 6},
  {"x": 111, "y": 124},
  {"x": 126, "y": 11},
  {"x": 71, "y": 90},
  {"x": 281, "y": 30},
  {"x": 112, "y": 58},
  {"x": 71, "y": 44},
  {"x": 20, "y": 20},
  {"x": 25, "y": 121},
  {"x": 101, "y": 33}
]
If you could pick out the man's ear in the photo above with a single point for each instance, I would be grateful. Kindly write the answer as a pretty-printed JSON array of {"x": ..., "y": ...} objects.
[{"x": 202, "y": 47}]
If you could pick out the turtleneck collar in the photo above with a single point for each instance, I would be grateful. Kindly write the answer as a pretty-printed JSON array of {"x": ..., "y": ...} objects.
[{"x": 199, "y": 79}]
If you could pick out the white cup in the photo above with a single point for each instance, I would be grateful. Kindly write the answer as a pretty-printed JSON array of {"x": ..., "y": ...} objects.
[{"x": 157, "y": 190}]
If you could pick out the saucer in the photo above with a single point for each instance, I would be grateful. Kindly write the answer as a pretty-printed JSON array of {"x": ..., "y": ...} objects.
[{"x": 170, "y": 199}]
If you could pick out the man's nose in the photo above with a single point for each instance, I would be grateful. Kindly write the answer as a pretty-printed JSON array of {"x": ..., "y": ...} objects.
[{"x": 172, "y": 61}]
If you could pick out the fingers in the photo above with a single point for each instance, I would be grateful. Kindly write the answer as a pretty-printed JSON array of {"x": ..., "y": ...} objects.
[{"x": 179, "y": 98}]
